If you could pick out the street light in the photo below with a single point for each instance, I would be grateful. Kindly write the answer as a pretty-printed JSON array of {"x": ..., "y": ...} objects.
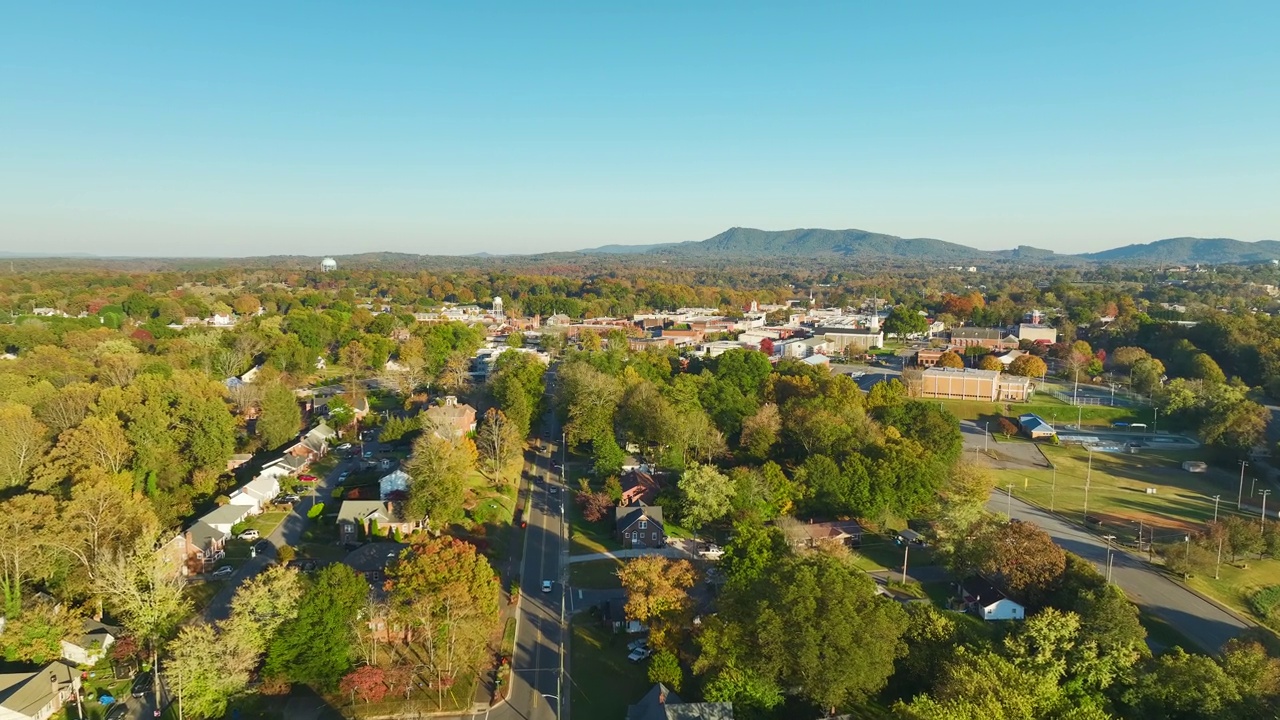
[
  {"x": 1053, "y": 488},
  {"x": 1109, "y": 538},
  {"x": 1215, "y": 507},
  {"x": 1008, "y": 512},
  {"x": 1240, "y": 492}
]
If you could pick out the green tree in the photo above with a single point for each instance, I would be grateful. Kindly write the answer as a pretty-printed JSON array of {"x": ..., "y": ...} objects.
[
  {"x": 813, "y": 624},
  {"x": 608, "y": 457},
  {"x": 497, "y": 442},
  {"x": 903, "y": 321},
  {"x": 664, "y": 667},
  {"x": 1146, "y": 375},
  {"x": 318, "y": 646},
  {"x": 707, "y": 493},
  {"x": 281, "y": 416},
  {"x": 658, "y": 595},
  {"x": 1179, "y": 686},
  {"x": 438, "y": 471},
  {"x": 761, "y": 431},
  {"x": 27, "y": 523},
  {"x": 206, "y": 668}
]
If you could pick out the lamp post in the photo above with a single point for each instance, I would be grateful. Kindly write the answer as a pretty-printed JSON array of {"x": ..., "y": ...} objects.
[
  {"x": 1186, "y": 572},
  {"x": 1217, "y": 566},
  {"x": 1253, "y": 486},
  {"x": 1008, "y": 511},
  {"x": 986, "y": 435},
  {"x": 906, "y": 550},
  {"x": 1053, "y": 489},
  {"x": 1110, "y": 555},
  {"x": 1240, "y": 492},
  {"x": 1216, "y": 498},
  {"x": 1088, "y": 476}
]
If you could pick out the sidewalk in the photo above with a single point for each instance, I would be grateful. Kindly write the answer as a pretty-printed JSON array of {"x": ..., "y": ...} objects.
[{"x": 668, "y": 551}]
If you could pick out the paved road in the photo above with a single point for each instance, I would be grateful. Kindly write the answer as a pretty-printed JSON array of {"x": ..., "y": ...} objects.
[
  {"x": 289, "y": 532},
  {"x": 669, "y": 551},
  {"x": 1201, "y": 621}
]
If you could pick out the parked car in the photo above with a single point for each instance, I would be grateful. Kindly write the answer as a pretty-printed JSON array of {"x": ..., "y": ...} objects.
[
  {"x": 342, "y": 476},
  {"x": 546, "y": 586},
  {"x": 307, "y": 478},
  {"x": 117, "y": 711},
  {"x": 262, "y": 547},
  {"x": 344, "y": 446},
  {"x": 224, "y": 571},
  {"x": 142, "y": 684},
  {"x": 368, "y": 454},
  {"x": 249, "y": 534},
  {"x": 291, "y": 498},
  {"x": 639, "y": 654},
  {"x": 637, "y": 644}
]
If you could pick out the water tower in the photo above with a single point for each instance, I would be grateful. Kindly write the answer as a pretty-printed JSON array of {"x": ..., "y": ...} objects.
[{"x": 328, "y": 265}]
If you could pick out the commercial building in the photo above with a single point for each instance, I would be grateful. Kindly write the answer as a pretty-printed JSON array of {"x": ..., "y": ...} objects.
[
  {"x": 1045, "y": 334},
  {"x": 989, "y": 338},
  {"x": 971, "y": 384}
]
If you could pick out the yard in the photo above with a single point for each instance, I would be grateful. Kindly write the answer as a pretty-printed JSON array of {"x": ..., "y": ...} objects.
[
  {"x": 589, "y": 537},
  {"x": 1118, "y": 489},
  {"x": 267, "y": 522},
  {"x": 605, "y": 683},
  {"x": 595, "y": 575},
  {"x": 1238, "y": 584}
]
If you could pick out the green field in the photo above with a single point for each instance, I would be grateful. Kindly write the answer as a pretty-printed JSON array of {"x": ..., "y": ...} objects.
[
  {"x": 1117, "y": 489},
  {"x": 604, "y": 682},
  {"x": 1047, "y": 407},
  {"x": 595, "y": 575}
]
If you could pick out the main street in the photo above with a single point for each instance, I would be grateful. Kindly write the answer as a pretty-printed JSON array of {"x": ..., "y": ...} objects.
[{"x": 1201, "y": 621}]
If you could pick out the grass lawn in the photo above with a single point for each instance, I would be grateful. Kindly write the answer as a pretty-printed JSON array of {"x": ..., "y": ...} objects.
[
  {"x": 1117, "y": 489},
  {"x": 1163, "y": 635},
  {"x": 1047, "y": 407},
  {"x": 267, "y": 522},
  {"x": 589, "y": 537},
  {"x": 879, "y": 552},
  {"x": 201, "y": 593},
  {"x": 1237, "y": 585},
  {"x": 595, "y": 575},
  {"x": 604, "y": 682}
]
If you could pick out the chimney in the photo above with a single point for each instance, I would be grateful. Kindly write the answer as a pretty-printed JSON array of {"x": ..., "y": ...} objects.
[
  {"x": 53, "y": 685},
  {"x": 662, "y": 694}
]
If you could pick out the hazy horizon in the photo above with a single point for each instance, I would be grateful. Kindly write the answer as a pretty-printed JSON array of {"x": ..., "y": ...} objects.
[{"x": 294, "y": 129}]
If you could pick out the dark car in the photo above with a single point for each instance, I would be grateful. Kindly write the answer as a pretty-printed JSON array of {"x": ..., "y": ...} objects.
[
  {"x": 142, "y": 684},
  {"x": 262, "y": 546},
  {"x": 117, "y": 711}
]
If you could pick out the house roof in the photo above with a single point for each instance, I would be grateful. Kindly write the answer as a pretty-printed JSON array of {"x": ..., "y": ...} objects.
[
  {"x": 977, "y": 333},
  {"x": 292, "y": 462},
  {"x": 1034, "y": 423},
  {"x": 96, "y": 632},
  {"x": 833, "y": 530},
  {"x": 979, "y": 590},
  {"x": 202, "y": 535},
  {"x": 227, "y": 514},
  {"x": 642, "y": 480},
  {"x": 967, "y": 372},
  {"x": 263, "y": 487},
  {"x": 358, "y": 511},
  {"x": 662, "y": 703},
  {"x": 626, "y": 515},
  {"x": 26, "y": 693}
]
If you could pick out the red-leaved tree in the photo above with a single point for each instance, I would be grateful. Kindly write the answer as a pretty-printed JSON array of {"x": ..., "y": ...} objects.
[
  {"x": 595, "y": 505},
  {"x": 366, "y": 682}
]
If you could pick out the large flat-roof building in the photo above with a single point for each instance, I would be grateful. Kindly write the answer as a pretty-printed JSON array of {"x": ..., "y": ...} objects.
[
  {"x": 989, "y": 338},
  {"x": 1046, "y": 334},
  {"x": 971, "y": 384}
]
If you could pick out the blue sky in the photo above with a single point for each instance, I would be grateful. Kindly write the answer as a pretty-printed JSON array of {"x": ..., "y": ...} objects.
[{"x": 322, "y": 127}]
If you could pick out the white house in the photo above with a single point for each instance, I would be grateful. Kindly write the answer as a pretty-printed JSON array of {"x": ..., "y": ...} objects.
[
  {"x": 38, "y": 694},
  {"x": 987, "y": 602},
  {"x": 89, "y": 648},
  {"x": 257, "y": 492},
  {"x": 225, "y": 517}
]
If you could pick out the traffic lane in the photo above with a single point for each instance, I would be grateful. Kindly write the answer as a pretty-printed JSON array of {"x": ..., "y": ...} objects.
[{"x": 1200, "y": 620}]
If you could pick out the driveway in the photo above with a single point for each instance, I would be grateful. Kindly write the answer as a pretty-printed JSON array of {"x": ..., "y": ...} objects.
[{"x": 1203, "y": 622}]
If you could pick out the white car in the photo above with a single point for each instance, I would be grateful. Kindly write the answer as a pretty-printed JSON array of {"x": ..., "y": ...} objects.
[
  {"x": 546, "y": 586},
  {"x": 249, "y": 535},
  {"x": 224, "y": 571},
  {"x": 639, "y": 654}
]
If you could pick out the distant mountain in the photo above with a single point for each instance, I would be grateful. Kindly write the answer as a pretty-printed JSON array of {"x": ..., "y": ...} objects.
[
  {"x": 862, "y": 245},
  {"x": 1191, "y": 251},
  {"x": 847, "y": 244}
]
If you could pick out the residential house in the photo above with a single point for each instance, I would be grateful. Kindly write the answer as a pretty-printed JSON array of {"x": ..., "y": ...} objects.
[
  {"x": 972, "y": 384},
  {"x": 316, "y": 440},
  {"x": 989, "y": 338},
  {"x": 394, "y": 485},
  {"x": 360, "y": 518},
  {"x": 661, "y": 703},
  {"x": 639, "y": 487},
  {"x": 1044, "y": 334},
  {"x": 614, "y": 616},
  {"x": 812, "y": 534},
  {"x": 640, "y": 526},
  {"x": 38, "y": 694},
  {"x": 452, "y": 419},
  {"x": 202, "y": 546},
  {"x": 225, "y": 517},
  {"x": 988, "y": 603},
  {"x": 257, "y": 493},
  {"x": 237, "y": 460},
  {"x": 1007, "y": 359},
  {"x": 1035, "y": 427},
  {"x": 290, "y": 463},
  {"x": 90, "y": 647}
]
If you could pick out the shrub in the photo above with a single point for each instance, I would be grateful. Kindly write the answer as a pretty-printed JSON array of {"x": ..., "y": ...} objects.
[
  {"x": 316, "y": 511},
  {"x": 1266, "y": 601}
]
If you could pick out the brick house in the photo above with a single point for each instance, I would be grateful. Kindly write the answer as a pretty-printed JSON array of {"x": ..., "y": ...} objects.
[
  {"x": 452, "y": 419},
  {"x": 640, "y": 526},
  {"x": 639, "y": 488},
  {"x": 358, "y": 518},
  {"x": 989, "y": 338}
]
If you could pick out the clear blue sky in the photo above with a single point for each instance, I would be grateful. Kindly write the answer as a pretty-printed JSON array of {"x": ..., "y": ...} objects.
[{"x": 250, "y": 128}]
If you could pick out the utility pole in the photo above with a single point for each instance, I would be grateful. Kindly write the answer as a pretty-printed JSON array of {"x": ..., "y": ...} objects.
[
  {"x": 1216, "y": 498},
  {"x": 1263, "y": 526},
  {"x": 1253, "y": 486},
  {"x": 1053, "y": 489},
  {"x": 1110, "y": 554},
  {"x": 1240, "y": 492},
  {"x": 1087, "y": 478},
  {"x": 906, "y": 550},
  {"x": 1219, "y": 565},
  {"x": 986, "y": 435},
  {"x": 1008, "y": 512},
  {"x": 1187, "y": 571}
]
